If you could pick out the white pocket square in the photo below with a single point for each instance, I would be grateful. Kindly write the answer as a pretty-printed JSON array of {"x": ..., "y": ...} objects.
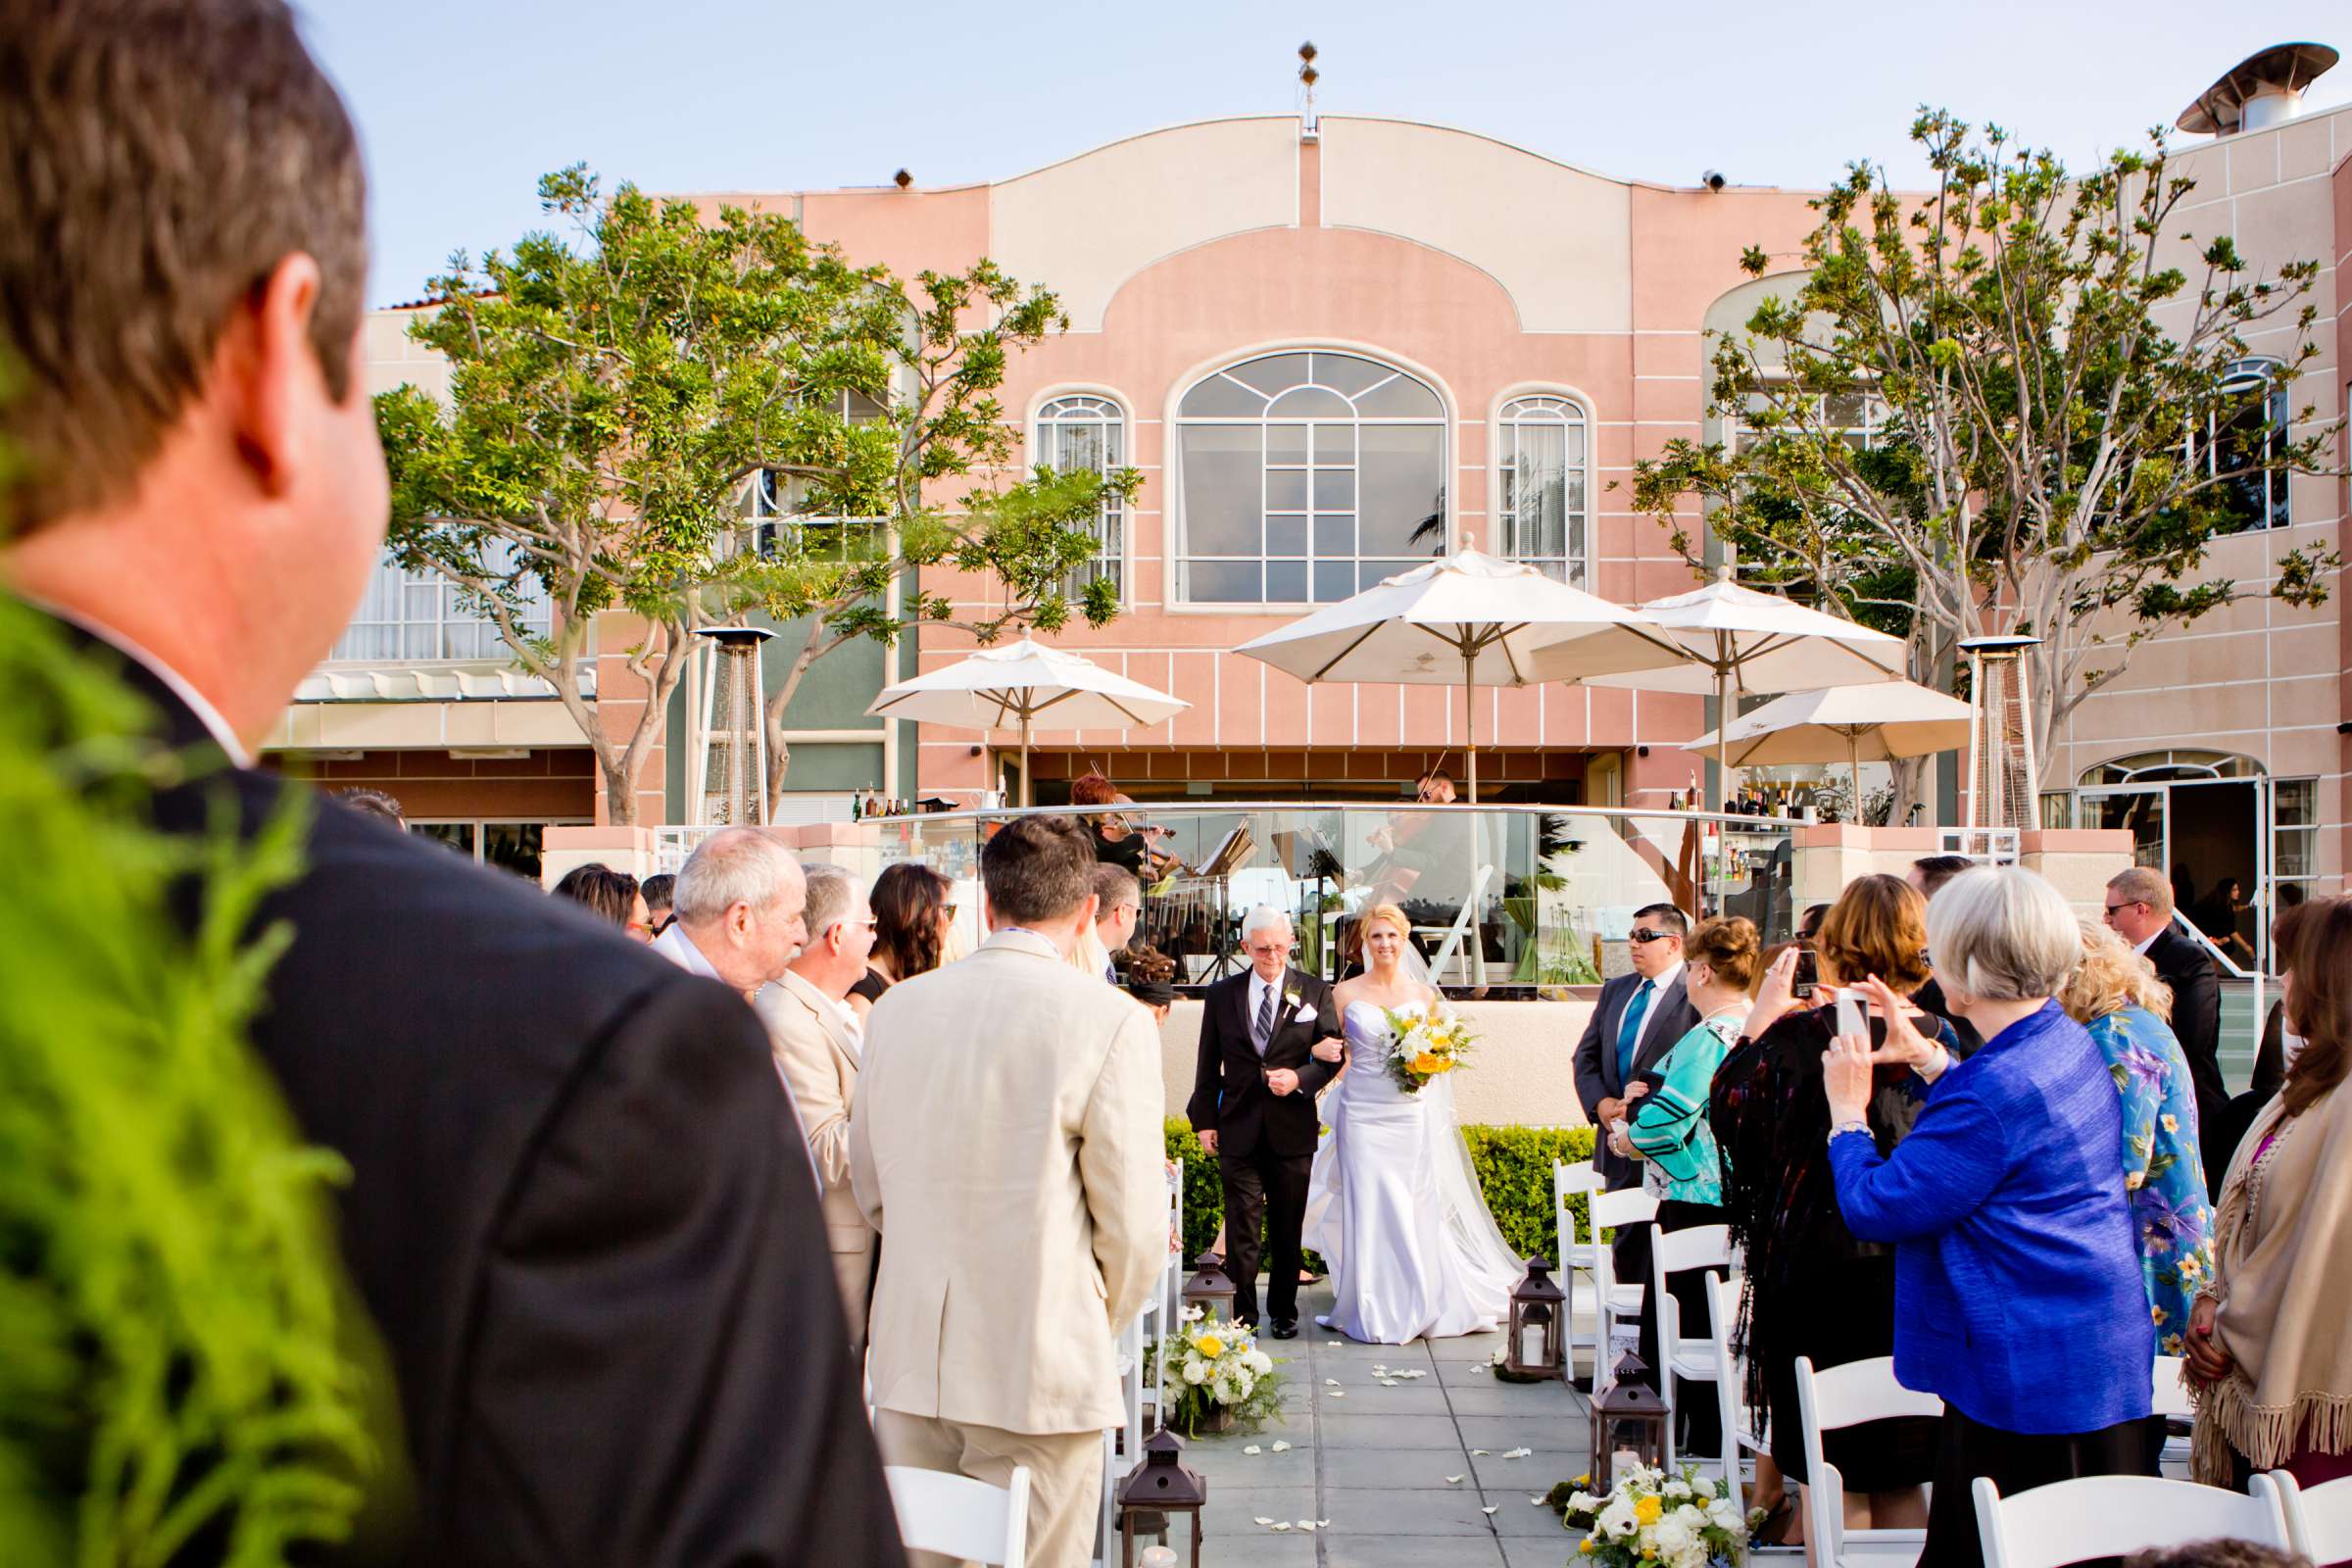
[{"x": 1304, "y": 1014}]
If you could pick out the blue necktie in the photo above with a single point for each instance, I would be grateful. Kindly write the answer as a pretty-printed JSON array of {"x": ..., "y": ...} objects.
[{"x": 1629, "y": 1030}]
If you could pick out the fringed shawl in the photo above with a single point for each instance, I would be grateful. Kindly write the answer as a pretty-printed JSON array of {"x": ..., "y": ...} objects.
[{"x": 2283, "y": 1251}]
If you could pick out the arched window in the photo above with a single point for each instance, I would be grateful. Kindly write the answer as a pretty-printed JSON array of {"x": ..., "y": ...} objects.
[
  {"x": 2255, "y": 434},
  {"x": 1307, "y": 477},
  {"x": 1539, "y": 460},
  {"x": 1085, "y": 433}
]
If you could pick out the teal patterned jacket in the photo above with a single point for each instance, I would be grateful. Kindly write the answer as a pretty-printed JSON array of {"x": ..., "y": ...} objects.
[{"x": 2170, "y": 1215}]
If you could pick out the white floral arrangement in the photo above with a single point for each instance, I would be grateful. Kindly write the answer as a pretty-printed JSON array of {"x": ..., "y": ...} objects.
[
  {"x": 1653, "y": 1519},
  {"x": 1211, "y": 1364},
  {"x": 1427, "y": 1044}
]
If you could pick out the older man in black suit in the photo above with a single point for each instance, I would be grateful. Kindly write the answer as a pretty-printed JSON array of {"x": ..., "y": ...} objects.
[
  {"x": 2140, "y": 906},
  {"x": 1254, "y": 1107},
  {"x": 573, "y": 1218}
]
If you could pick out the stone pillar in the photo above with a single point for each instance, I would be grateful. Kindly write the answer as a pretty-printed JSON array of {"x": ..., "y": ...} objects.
[
  {"x": 1829, "y": 854},
  {"x": 623, "y": 848},
  {"x": 854, "y": 847},
  {"x": 2077, "y": 861}
]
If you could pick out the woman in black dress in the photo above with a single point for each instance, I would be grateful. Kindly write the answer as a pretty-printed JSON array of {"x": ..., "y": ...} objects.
[
  {"x": 911, "y": 920},
  {"x": 1812, "y": 1289}
]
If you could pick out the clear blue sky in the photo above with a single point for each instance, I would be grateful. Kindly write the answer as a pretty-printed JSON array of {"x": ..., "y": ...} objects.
[{"x": 463, "y": 106}]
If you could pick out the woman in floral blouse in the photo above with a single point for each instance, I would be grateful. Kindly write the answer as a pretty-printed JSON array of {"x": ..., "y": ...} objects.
[{"x": 2116, "y": 996}]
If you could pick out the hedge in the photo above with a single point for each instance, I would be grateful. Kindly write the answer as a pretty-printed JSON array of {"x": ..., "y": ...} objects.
[{"x": 1513, "y": 1165}]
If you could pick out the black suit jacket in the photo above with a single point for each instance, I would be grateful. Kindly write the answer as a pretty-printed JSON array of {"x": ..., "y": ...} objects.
[
  {"x": 1229, "y": 1096},
  {"x": 1596, "y": 1077},
  {"x": 2184, "y": 965},
  {"x": 1928, "y": 999},
  {"x": 595, "y": 1261}
]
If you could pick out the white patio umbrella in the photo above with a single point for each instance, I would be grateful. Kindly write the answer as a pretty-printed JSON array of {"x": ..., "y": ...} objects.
[
  {"x": 1468, "y": 619},
  {"x": 1004, "y": 688},
  {"x": 1745, "y": 641},
  {"x": 1875, "y": 722}
]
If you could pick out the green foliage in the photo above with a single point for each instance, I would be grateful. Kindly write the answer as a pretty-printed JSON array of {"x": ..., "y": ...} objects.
[
  {"x": 623, "y": 399},
  {"x": 172, "y": 1386},
  {"x": 1513, "y": 1165},
  {"x": 2056, "y": 427}
]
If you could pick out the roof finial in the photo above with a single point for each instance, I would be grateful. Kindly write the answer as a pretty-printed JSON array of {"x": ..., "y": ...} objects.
[
  {"x": 1309, "y": 75},
  {"x": 1723, "y": 572}
]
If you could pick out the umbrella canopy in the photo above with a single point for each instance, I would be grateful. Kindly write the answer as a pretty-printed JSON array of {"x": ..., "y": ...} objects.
[
  {"x": 1010, "y": 687},
  {"x": 1468, "y": 620},
  {"x": 1877, "y": 721},
  {"x": 1743, "y": 641}
]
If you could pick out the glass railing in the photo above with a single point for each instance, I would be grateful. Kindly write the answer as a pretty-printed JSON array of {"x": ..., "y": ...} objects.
[{"x": 1503, "y": 900}]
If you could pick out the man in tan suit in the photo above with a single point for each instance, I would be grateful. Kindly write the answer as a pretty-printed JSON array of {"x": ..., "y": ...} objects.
[
  {"x": 816, "y": 1040},
  {"x": 1007, "y": 1143}
]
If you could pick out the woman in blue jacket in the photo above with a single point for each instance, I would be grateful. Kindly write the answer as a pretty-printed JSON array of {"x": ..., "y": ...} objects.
[{"x": 2018, "y": 1293}]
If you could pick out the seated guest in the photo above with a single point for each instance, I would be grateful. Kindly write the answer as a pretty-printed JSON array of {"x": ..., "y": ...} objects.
[
  {"x": 1929, "y": 875},
  {"x": 2019, "y": 1297},
  {"x": 815, "y": 1039},
  {"x": 657, "y": 891},
  {"x": 613, "y": 895},
  {"x": 911, "y": 921},
  {"x": 2115, "y": 996},
  {"x": 2266, "y": 1346},
  {"x": 1814, "y": 1288},
  {"x": 1668, "y": 1132},
  {"x": 1122, "y": 904}
]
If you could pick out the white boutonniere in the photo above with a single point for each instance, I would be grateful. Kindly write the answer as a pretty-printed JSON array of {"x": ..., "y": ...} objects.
[{"x": 1290, "y": 997}]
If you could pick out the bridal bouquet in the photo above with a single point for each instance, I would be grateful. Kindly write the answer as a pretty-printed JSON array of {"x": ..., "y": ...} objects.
[
  {"x": 1426, "y": 1045},
  {"x": 1217, "y": 1375},
  {"x": 1654, "y": 1520}
]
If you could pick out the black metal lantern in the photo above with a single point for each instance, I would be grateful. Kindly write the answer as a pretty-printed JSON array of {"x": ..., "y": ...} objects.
[
  {"x": 1539, "y": 1310},
  {"x": 1211, "y": 1290},
  {"x": 1629, "y": 1423},
  {"x": 1155, "y": 1490}
]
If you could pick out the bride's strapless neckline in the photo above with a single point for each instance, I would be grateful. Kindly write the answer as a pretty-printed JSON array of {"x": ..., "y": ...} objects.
[{"x": 1409, "y": 1006}]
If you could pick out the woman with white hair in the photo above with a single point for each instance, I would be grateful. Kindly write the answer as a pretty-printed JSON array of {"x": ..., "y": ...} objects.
[{"x": 2018, "y": 1294}]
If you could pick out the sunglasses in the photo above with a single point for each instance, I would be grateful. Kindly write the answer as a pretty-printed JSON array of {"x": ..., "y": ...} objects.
[
  {"x": 1644, "y": 935},
  {"x": 2114, "y": 908}
]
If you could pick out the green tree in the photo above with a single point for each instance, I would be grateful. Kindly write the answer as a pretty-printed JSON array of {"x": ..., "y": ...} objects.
[
  {"x": 2003, "y": 405},
  {"x": 622, "y": 402}
]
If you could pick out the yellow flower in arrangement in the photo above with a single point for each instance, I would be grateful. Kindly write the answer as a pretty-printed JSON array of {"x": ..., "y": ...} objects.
[
  {"x": 1210, "y": 1346},
  {"x": 1647, "y": 1510},
  {"x": 1429, "y": 1063},
  {"x": 1585, "y": 1545}
]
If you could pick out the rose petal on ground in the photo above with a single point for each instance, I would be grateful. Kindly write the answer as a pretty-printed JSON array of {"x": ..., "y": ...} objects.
[
  {"x": 1454, "y": 1481},
  {"x": 1263, "y": 1520},
  {"x": 1486, "y": 1510},
  {"x": 1282, "y": 1448}
]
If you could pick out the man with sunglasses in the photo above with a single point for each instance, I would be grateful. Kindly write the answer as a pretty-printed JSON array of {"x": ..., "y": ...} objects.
[
  {"x": 2140, "y": 908},
  {"x": 1638, "y": 1019}
]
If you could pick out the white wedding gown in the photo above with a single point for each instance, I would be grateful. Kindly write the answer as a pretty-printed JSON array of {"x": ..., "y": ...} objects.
[{"x": 1395, "y": 1209}]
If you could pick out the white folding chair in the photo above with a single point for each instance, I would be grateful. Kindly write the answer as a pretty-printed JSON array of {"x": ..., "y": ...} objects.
[
  {"x": 961, "y": 1517},
  {"x": 1574, "y": 1252},
  {"x": 1131, "y": 1388},
  {"x": 1730, "y": 1401},
  {"x": 2319, "y": 1522},
  {"x": 1841, "y": 1396},
  {"x": 1694, "y": 1359},
  {"x": 1615, "y": 1302},
  {"x": 1464, "y": 928},
  {"x": 2114, "y": 1516},
  {"x": 2171, "y": 1402}
]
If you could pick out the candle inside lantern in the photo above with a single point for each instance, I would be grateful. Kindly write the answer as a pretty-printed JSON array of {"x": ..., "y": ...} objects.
[
  {"x": 1624, "y": 1461},
  {"x": 1531, "y": 1344},
  {"x": 1159, "y": 1557}
]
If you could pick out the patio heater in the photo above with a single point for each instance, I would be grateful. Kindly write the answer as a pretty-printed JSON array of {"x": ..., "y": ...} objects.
[
  {"x": 730, "y": 768},
  {"x": 2003, "y": 779}
]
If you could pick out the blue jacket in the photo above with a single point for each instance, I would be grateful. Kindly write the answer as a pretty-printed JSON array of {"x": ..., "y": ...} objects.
[{"x": 2017, "y": 1289}]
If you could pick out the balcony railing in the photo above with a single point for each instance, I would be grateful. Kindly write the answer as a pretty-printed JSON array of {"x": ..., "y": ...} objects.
[{"x": 1503, "y": 900}]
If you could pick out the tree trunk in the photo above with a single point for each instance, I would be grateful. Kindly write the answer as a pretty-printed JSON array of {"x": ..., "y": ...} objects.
[
  {"x": 1911, "y": 788},
  {"x": 779, "y": 755}
]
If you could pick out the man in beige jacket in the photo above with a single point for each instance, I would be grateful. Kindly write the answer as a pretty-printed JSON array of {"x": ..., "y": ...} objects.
[
  {"x": 816, "y": 1042},
  {"x": 1007, "y": 1143}
]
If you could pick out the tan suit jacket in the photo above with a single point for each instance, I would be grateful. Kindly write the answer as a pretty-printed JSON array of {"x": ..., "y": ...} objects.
[
  {"x": 1007, "y": 1141},
  {"x": 819, "y": 1059}
]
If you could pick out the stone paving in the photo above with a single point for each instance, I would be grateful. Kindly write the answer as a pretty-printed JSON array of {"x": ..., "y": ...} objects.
[{"x": 1375, "y": 1461}]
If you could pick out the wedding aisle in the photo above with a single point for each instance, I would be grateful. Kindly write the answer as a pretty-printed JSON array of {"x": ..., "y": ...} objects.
[{"x": 1376, "y": 1461}]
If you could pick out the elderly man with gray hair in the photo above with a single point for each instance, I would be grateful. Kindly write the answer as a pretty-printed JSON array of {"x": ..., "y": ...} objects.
[
  {"x": 738, "y": 903},
  {"x": 1254, "y": 1107}
]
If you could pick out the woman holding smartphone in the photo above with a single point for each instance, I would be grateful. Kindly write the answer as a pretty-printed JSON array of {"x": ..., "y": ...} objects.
[{"x": 1813, "y": 1290}]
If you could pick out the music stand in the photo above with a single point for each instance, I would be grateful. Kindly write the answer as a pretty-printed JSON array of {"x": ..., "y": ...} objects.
[{"x": 1218, "y": 866}]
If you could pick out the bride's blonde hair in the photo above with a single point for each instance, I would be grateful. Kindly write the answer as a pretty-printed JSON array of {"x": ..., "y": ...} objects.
[{"x": 1390, "y": 914}]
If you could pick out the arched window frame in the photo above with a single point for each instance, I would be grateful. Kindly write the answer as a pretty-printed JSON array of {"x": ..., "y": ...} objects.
[
  {"x": 1060, "y": 414},
  {"x": 1535, "y": 408},
  {"x": 1295, "y": 563}
]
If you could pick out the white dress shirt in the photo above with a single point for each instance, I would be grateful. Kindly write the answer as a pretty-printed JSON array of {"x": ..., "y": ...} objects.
[
  {"x": 679, "y": 948},
  {"x": 1659, "y": 997},
  {"x": 1258, "y": 987},
  {"x": 2142, "y": 947}
]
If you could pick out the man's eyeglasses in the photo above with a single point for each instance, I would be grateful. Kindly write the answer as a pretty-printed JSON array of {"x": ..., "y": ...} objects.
[
  {"x": 1645, "y": 936},
  {"x": 2114, "y": 909}
]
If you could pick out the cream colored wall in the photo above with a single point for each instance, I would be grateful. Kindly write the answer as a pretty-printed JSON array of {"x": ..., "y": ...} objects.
[
  {"x": 1558, "y": 239},
  {"x": 1523, "y": 1074},
  {"x": 1084, "y": 227},
  {"x": 392, "y": 360}
]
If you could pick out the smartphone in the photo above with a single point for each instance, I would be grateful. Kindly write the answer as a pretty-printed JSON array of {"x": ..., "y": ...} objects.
[
  {"x": 1851, "y": 1020},
  {"x": 1808, "y": 972}
]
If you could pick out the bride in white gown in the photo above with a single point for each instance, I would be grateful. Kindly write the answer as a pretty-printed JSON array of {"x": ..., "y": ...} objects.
[{"x": 1393, "y": 1205}]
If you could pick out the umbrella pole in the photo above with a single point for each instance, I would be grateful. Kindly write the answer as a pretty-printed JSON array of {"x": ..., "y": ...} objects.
[
  {"x": 1470, "y": 714},
  {"x": 1723, "y": 776},
  {"x": 1027, "y": 796},
  {"x": 1853, "y": 761}
]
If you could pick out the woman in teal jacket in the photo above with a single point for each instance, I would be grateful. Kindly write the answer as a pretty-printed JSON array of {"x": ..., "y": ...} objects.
[{"x": 1669, "y": 1132}]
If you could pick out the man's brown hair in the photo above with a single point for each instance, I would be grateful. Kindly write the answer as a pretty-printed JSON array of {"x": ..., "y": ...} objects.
[{"x": 161, "y": 158}]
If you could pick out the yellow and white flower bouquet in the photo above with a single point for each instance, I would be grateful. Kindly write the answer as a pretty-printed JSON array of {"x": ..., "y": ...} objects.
[
  {"x": 1217, "y": 1376},
  {"x": 1653, "y": 1519},
  {"x": 1425, "y": 1045}
]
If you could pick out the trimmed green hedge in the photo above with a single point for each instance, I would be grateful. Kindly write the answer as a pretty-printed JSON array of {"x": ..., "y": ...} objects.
[{"x": 1513, "y": 1165}]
